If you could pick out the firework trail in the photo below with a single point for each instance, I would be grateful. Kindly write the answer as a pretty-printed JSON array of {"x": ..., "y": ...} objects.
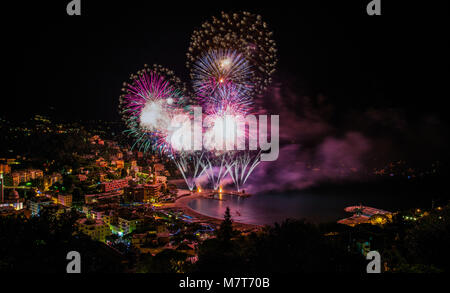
[
  {"x": 214, "y": 165},
  {"x": 190, "y": 166},
  {"x": 241, "y": 165}
]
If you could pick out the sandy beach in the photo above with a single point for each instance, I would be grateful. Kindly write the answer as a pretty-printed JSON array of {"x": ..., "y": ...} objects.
[{"x": 182, "y": 204}]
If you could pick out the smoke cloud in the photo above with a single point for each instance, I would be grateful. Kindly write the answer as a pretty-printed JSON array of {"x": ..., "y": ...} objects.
[{"x": 321, "y": 143}]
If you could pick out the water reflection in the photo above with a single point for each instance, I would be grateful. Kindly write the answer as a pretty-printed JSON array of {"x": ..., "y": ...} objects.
[{"x": 270, "y": 208}]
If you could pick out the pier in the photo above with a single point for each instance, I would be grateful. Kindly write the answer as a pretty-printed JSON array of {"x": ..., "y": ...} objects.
[{"x": 362, "y": 214}]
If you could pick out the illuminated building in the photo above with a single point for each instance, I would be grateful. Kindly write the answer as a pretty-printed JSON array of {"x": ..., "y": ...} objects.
[
  {"x": 35, "y": 205},
  {"x": 7, "y": 211},
  {"x": 129, "y": 223},
  {"x": 65, "y": 199},
  {"x": 16, "y": 179},
  {"x": 159, "y": 168},
  {"x": 143, "y": 193},
  {"x": 86, "y": 209},
  {"x": 5, "y": 169},
  {"x": 113, "y": 185},
  {"x": 26, "y": 175},
  {"x": 105, "y": 215},
  {"x": 120, "y": 164},
  {"x": 20, "y": 177},
  {"x": 108, "y": 197},
  {"x": 49, "y": 180},
  {"x": 82, "y": 177},
  {"x": 151, "y": 191},
  {"x": 136, "y": 169},
  {"x": 380, "y": 219},
  {"x": 13, "y": 200},
  {"x": 96, "y": 229},
  {"x": 100, "y": 162},
  {"x": 56, "y": 177},
  {"x": 35, "y": 173},
  {"x": 54, "y": 209},
  {"x": 11, "y": 161},
  {"x": 125, "y": 222},
  {"x": 134, "y": 193},
  {"x": 161, "y": 179},
  {"x": 102, "y": 176}
]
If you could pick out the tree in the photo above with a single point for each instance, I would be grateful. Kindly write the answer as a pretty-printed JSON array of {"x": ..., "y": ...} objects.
[
  {"x": 427, "y": 241},
  {"x": 167, "y": 261},
  {"x": 39, "y": 183},
  {"x": 68, "y": 181},
  {"x": 40, "y": 244},
  {"x": 292, "y": 246},
  {"x": 225, "y": 232},
  {"x": 77, "y": 195}
]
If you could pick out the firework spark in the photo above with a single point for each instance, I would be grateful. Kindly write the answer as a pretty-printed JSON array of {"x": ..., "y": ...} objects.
[
  {"x": 240, "y": 165},
  {"x": 214, "y": 165},
  {"x": 218, "y": 69},
  {"x": 191, "y": 166},
  {"x": 148, "y": 103},
  {"x": 244, "y": 33}
]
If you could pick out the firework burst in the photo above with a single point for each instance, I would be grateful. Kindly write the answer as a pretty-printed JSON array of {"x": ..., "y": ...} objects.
[
  {"x": 218, "y": 69},
  {"x": 228, "y": 98},
  {"x": 151, "y": 98},
  {"x": 231, "y": 59},
  {"x": 244, "y": 33}
]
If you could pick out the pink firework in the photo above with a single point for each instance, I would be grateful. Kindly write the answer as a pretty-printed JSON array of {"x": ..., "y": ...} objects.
[{"x": 150, "y": 100}]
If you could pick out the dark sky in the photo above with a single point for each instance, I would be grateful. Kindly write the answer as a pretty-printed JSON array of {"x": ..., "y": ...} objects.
[{"x": 76, "y": 65}]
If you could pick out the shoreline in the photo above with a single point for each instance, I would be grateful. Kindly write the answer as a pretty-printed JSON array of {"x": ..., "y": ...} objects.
[{"x": 182, "y": 204}]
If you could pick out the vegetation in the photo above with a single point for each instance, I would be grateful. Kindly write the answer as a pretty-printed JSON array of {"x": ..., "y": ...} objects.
[
  {"x": 40, "y": 244},
  {"x": 297, "y": 246}
]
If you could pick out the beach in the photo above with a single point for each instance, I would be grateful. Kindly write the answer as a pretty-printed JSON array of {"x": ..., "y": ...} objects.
[{"x": 182, "y": 204}]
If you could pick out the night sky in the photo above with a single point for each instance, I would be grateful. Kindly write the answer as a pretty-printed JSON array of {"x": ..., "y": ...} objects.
[{"x": 73, "y": 67}]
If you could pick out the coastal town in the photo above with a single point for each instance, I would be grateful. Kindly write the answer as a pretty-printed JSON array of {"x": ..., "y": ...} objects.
[
  {"x": 215, "y": 145},
  {"x": 123, "y": 198},
  {"x": 133, "y": 208}
]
